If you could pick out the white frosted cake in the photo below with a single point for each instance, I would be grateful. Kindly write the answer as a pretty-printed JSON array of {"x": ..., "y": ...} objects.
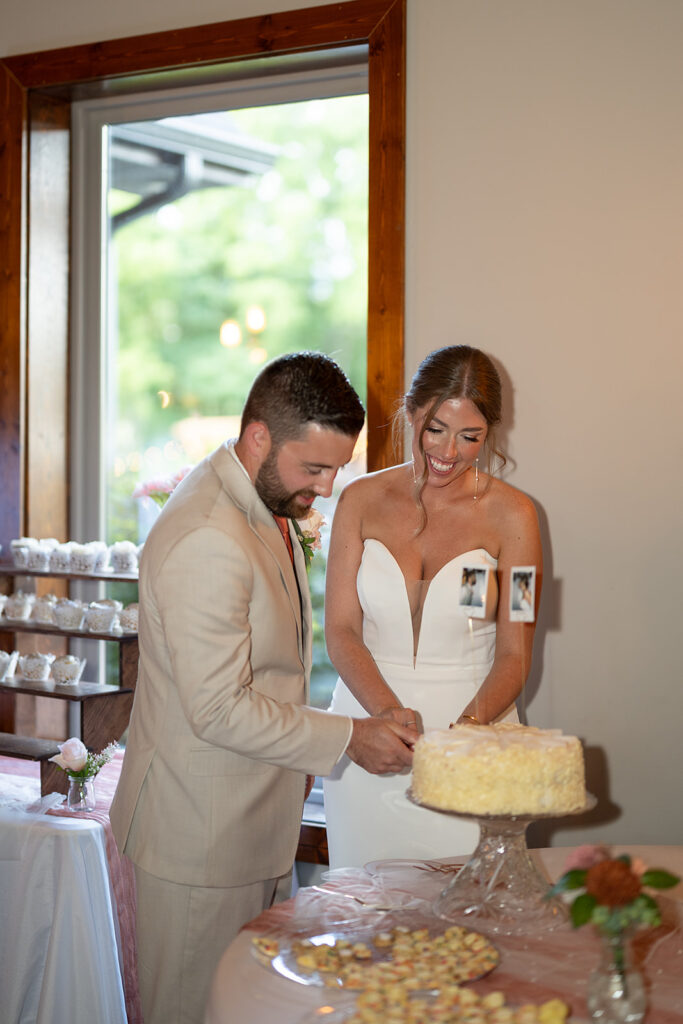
[{"x": 499, "y": 769}]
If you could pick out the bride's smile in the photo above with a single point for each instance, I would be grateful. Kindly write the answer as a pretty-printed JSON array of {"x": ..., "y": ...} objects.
[{"x": 450, "y": 441}]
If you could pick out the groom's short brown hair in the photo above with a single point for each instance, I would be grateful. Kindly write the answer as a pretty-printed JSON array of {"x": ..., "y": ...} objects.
[{"x": 304, "y": 387}]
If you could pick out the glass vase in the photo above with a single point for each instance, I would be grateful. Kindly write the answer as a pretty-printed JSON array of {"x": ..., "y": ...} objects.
[
  {"x": 616, "y": 991},
  {"x": 81, "y": 794}
]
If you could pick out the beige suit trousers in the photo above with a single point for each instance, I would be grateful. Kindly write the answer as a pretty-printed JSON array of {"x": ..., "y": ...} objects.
[{"x": 182, "y": 932}]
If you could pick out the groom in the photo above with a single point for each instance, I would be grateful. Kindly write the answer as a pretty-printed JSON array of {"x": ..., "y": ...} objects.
[{"x": 209, "y": 802}]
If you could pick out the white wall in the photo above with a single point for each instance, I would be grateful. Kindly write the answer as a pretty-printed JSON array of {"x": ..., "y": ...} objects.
[{"x": 545, "y": 224}]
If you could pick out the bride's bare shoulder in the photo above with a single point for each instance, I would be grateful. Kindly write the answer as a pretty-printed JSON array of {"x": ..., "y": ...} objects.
[
  {"x": 507, "y": 500},
  {"x": 381, "y": 485}
]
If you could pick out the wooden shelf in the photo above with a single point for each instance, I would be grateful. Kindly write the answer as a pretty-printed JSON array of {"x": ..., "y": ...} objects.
[
  {"x": 47, "y": 629},
  {"x": 81, "y": 691},
  {"x": 9, "y": 569},
  {"x": 104, "y": 709}
]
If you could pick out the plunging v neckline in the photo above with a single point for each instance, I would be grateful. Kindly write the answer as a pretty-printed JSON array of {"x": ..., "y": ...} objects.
[{"x": 429, "y": 585}]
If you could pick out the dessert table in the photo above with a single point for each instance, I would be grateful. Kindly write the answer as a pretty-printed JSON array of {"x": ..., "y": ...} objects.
[
  {"x": 533, "y": 967},
  {"x": 67, "y": 907}
]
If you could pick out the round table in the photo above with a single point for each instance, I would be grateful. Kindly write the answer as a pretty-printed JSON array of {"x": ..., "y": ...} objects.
[{"x": 532, "y": 968}]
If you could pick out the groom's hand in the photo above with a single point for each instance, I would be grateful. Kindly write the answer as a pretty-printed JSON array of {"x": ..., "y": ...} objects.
[{"x": 381, "y": 747}]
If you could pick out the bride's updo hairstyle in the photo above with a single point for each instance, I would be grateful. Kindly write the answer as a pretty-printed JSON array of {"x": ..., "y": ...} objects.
[{"x": 456, "y": 371}]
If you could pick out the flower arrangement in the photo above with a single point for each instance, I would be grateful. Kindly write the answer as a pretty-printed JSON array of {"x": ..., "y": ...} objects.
[
  {"x": 160, "y": 489},
  {"x": 308, "y": 532},
  {"x": 612, "y": 893},
  {"x": 78, "y": 762}
]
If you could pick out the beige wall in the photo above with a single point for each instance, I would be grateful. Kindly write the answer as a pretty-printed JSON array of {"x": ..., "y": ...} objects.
[{"x": 545, "y": 224}]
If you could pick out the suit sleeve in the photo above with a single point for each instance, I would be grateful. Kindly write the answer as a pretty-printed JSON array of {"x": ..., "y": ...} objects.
[{"x": 208, "y": 636}]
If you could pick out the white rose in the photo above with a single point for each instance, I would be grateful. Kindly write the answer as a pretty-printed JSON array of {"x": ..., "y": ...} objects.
[{"x": 72, "y": 756}]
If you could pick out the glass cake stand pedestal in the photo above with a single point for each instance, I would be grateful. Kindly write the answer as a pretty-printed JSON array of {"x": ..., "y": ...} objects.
[{"x": 500, "y": 888}]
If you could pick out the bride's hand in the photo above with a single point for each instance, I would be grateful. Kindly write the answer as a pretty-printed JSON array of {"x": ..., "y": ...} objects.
[{"x": 404, "y": 716}]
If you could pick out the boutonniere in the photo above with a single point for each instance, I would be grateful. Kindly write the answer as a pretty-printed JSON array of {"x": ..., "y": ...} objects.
[{"x": 308, "y": 532}]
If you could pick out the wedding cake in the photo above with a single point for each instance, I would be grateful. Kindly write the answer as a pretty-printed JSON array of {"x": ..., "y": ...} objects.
[{"x": 499, "y": 769}]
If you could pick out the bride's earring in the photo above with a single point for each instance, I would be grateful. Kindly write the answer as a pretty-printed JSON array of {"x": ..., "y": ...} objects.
[{"x": 476, "y": 479}]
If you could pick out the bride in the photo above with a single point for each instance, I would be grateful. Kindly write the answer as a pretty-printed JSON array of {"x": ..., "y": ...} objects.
[{"x": 397, "y": 633}]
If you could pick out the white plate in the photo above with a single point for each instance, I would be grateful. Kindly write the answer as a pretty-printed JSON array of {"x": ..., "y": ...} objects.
[{"x": 285, "y": 963}]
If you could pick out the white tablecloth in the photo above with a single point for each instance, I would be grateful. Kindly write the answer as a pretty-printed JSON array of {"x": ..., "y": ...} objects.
[
  {"x": 246, "y": 992},
  {"x": 59, "y": 951}
]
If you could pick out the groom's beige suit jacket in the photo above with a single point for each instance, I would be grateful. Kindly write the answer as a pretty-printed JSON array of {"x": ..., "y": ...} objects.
[{"x": 212, "y": 784}]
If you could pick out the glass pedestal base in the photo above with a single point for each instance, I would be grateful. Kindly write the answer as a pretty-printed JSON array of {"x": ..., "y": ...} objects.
[{"x": 500, "y": 889}]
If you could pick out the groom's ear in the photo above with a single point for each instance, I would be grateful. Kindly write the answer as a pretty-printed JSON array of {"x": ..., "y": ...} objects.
[{"x": 257, "y": 441}]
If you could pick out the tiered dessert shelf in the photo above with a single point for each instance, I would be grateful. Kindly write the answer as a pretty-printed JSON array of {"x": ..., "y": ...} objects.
[{"x": 105, "y": 709}]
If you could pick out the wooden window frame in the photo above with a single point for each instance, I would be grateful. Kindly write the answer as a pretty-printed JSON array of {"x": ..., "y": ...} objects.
[{"x": 36, "y": 93}]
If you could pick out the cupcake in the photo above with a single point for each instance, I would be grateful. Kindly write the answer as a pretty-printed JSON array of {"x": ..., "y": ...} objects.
[
  {"x": 7, "y": 663},
  {"x": 100, "y": 617},
  {"x": 129, "y": 618},
  {"x": 39, "y": 558},
  {"x": 83, "y": 558},
  {"x": 60, "y": 558},
  {"x": 66, "y": 670},
  {"x": 18, "y": 606},
  {"x": 20, "y": 549},
  {"x": 35, "y": 667},
  {"x": 44, "y": 609},
  {"x": 124, "y": 556},
  {"x": 101, "y": 555},
  {"x": 69, "y": 613}
]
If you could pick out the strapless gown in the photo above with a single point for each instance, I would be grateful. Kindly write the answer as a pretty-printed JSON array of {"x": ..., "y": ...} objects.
[{"x": 369, "y": 816}]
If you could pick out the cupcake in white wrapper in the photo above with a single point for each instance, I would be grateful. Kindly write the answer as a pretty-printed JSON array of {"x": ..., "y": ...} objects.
[
  {"x": 60, "y": 558},
  {"x": 101, "y": 555},
  {"x": 123, "y": 556},
  {"x": 83, "y": 558},
  {"x": 20, "y": 549},
  {"x": 101, "y": 617},
  {"x": 129, "y": 618},
  {"x": 44, "y": 609},
  {"x": 7, "y": 665},
  {"x": 18, "y": 606},
  {"x": 67, "y": 669},
  {"x": 69, "y": 613},
  {"x": 39, "y": 558},
  {"x": 35, "y": 667}
]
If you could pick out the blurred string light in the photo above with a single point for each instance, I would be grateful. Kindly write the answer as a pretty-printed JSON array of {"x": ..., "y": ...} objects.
[{"x": 230, "y": 334}]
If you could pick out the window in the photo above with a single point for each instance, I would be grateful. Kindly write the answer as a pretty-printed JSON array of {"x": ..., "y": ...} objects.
[{"x": 226, "y": 238}]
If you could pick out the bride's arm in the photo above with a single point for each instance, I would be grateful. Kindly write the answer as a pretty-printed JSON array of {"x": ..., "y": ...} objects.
[
  {"x": 344, "y": 616},
  {"x": 520, "y": 545}
]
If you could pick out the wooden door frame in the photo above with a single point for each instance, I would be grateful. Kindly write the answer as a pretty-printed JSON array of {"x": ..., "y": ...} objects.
[{"x": 36, "y": 93}]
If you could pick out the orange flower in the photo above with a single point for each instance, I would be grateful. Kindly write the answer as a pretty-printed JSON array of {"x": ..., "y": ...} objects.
[{"x": 613, "y": 883}]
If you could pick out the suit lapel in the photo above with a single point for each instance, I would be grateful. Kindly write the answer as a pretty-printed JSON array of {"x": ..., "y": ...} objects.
[{"x": 243, "y": 493}]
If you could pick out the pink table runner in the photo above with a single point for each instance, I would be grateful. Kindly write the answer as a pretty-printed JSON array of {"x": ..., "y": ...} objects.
[{"x": 120, "y": 868}]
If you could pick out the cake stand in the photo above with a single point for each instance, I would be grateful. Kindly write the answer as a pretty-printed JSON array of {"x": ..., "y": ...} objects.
[{"x": 499, "y": 888}]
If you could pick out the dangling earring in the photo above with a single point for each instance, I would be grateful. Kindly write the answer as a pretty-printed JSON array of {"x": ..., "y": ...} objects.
[{"x": 476, "y": 479}]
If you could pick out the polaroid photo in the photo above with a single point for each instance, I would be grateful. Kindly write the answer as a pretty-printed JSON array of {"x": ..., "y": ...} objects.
[
  {"x": 522, "y": 593},
  {"x": 474, "y": 585}
]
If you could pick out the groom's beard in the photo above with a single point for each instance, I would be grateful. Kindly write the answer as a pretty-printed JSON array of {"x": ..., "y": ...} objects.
[{"x": 274, "y": 494}]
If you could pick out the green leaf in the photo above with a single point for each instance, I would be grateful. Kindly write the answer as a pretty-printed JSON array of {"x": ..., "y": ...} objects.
[
  {"x": 582, "y": 909},
  {"x": 658, "y": 879},
  {"x": 575, "y": 879}
]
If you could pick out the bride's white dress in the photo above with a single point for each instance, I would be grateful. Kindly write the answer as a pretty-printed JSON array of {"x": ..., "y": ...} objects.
[{"x": 369, "y": 816}]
